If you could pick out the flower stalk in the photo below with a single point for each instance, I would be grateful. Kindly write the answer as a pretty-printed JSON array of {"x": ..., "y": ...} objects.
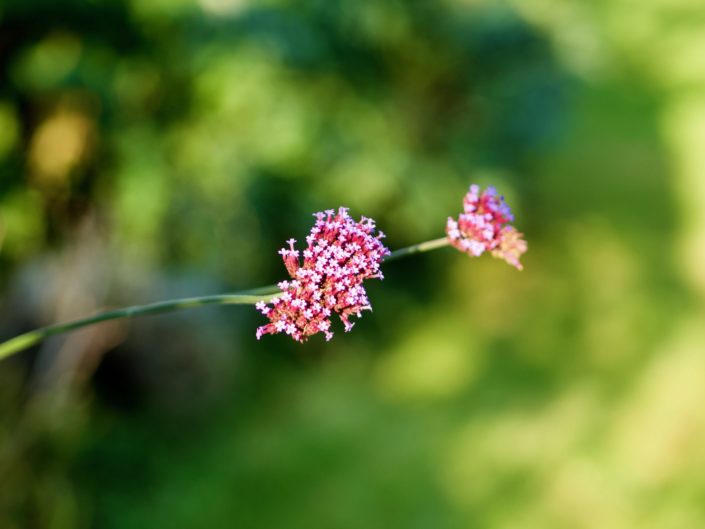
[
  {"x": 249, "y": 297},
  {"x": 28, "y": 339},
  {"x": 422, "y": 247}
]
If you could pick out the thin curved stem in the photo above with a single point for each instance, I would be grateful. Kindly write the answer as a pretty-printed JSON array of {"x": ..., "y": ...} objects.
[
  {"x": 248, "y": 297},
  {"x": 28, "y": 339},
  {"x": 417, "y": 248}
]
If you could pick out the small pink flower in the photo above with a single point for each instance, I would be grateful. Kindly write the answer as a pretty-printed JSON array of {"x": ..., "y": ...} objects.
[
  {"x": 484, "y": 226},
  {"x": 340, "y": 255}
]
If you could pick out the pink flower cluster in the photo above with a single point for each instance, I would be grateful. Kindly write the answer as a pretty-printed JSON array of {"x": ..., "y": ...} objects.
[
  {"x": 484, "y": 226},
  {"x": 341, "y": 254}
]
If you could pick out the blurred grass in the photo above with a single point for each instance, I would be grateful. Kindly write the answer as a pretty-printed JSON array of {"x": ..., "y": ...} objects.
[{"x": 151, "y": 150}]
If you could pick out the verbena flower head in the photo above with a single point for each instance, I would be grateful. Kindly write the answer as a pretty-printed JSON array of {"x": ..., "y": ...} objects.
[
  {"x": 484, "y": 226},
  {"x": 340, "y": 254}
]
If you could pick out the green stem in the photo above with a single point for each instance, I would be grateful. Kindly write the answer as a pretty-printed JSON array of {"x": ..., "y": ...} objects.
[
  {"x": 417, "y": 248},
  {"x": 249, "y": 297},
  {"x": 28, "y": 339}
]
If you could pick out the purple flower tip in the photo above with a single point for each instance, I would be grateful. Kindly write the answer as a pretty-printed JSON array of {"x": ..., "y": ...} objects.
[{"x": 484, "y": 226}]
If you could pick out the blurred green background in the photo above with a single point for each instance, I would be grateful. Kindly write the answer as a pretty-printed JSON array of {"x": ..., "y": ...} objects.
[{"x": 166, "y": 148}]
